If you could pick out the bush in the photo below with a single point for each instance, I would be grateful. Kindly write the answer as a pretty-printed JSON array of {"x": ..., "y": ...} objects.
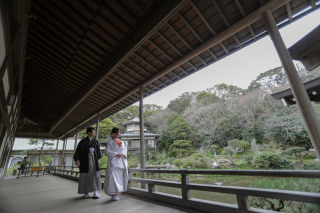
[
  {"x": 177, "y": 162},
  {"x": 248, "y": 157},
  {"x": 189, "y": 162},
  {"x": 171, "y": 160},
  {"x": 201, "y": 165},
  {"x": 128, "y": 155},
  {"x": 312, "y": 166},
  {"x": 289, "y": 157},
  {"x": 265, "y": 160},
  {"x": 308, "y": 154},
  {"x": 172, "y": 154},
  {"x": 284, "y": 164},
  {"x": 133, "y": 165},
  {"x": 196, "y": 156},
  {"x": 224, "y": 163},
  {"x": 295, "y": 151}
]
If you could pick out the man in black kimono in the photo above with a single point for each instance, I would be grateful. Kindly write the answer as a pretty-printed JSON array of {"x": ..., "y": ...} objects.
[{"x": 87, "y": 157}]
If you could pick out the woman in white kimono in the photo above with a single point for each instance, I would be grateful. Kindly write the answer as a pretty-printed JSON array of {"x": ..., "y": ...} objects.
[{"x": 116, "y": 180}]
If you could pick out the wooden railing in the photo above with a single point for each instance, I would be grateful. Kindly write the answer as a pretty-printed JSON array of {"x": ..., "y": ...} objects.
[
  {"x": 187, "y": 201},
  {"x": 241, "y": 193}
]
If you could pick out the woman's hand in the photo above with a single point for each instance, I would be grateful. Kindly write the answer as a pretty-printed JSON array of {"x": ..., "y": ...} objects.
[
  {"x": 119, "y": 155},
  {"x": 78, "y": 163}
]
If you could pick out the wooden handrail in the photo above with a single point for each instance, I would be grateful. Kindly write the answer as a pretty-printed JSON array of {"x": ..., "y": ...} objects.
[
  {"x": 264, "y": 173},
  {"x": 307, "y": 197},
  {"x": 241, "y": 193}
]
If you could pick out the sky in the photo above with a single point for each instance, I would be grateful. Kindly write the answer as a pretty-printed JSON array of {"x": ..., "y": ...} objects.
[{"x": 237, "y": 69}]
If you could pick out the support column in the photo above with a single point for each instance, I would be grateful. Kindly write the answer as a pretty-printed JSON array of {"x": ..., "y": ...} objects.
[
  {"x": 302, "y": 99},
  {"x": 64, "y": 145},
  {"x": 97, "y": 129},
  {"x": 142, "y": 146},
  {"x": 75, "y": 143},
  {"x": 55, "y": 155}
]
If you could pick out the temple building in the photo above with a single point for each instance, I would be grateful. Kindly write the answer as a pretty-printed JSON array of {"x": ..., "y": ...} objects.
[{"x": 131, "y": 137}]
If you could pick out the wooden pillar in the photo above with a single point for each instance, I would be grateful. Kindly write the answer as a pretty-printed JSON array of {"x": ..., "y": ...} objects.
[
  {"x": 55, "y": 155},
  {"x": 97, "y": 129},
  {"x": 302, "y": 99},
  {"x": 63, "y": 148},
  {"x": 142, "y": 157},
  {"x": 75, "y": 143}
]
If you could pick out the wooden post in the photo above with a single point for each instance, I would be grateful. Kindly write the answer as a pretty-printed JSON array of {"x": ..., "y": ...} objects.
[
  {"x": 63, "y": 147},
  {"x": 75, "y": 144},
  {"x": 142, "y": 157},
  {"x": 185, "y": 181},
  {"x": 129, "y": 182},
  {"x": 55, "y": 155},
  {"x": 151, "y": 188},
  {"x": 243, "y": 202},
  {"x": 97, "y": 129},
  {"x": 302, "y": 99}
]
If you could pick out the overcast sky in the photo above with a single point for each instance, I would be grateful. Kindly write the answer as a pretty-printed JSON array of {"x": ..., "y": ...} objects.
[{"x": 238, "y": 69}]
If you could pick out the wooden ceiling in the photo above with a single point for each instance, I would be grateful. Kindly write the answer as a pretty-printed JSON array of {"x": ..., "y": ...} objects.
[{"x": 88, "y": 57}]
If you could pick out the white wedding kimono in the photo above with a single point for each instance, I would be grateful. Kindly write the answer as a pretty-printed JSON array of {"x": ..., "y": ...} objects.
[{"x": 116, "y": 180}]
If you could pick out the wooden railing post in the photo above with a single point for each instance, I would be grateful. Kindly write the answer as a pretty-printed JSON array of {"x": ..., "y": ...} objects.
[
  {"x": 129, "y": 182},
  {"x": 151, "y": 188},
  {"x": 243, "y": 202},
  {"x": 185, "y": 181}
]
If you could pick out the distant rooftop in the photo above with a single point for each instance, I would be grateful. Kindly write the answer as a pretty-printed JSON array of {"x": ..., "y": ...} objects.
[{"x": 136, "y": 120}]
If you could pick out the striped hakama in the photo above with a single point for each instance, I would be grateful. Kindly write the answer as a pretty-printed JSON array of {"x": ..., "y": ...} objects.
[{"x": 91, "y": 181}]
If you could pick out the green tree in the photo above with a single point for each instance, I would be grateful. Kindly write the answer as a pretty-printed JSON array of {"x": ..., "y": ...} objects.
[
  {"x": 179, "y": 129},
  {"x": 226, "y": 130},
  {"x": 182, "y": 146},
  {"x": 47, "y": 159},
  {"x": 105, "y": 127},
  {"x": 42, "y": 142},
  {"x": 206, "y": 98},
  {"x": 226, "y": 92},
  {"x": 181, "y": 103},
  {"x": 272, "y": 78}
]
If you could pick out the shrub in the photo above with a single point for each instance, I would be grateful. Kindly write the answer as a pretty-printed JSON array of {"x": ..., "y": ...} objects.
[
  {"x": 196, "y": 156},
  {"x": 312, "y": 166},
  {"x": 128, "y": 155},
  {"x": 189, "y": 162},
  {"x": 133, "y": 165},
  {"x": 172, "y": 154},
  {"x": 224, "y": 163},
  {"x": 248, "y": 157},
  {"x": 171, "y": 160},
  {"x": 308, "y": 154},
  {"x": 289, "y": 157},
  {"x": 284, "y": 164},
  {"x": 295, "y": 151},
  {"x": 177, "y": 162},
  {"x": 201, "y": 165},
  {"x": 265, "y": 160}
]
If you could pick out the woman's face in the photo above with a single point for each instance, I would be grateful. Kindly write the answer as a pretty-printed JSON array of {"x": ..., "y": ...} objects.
[{"x": 118, "y": 135}]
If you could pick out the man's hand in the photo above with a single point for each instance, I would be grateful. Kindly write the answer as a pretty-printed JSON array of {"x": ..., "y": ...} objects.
[
  {"x": 78, "y": 163},
  {"x": 99, "y": 162}
]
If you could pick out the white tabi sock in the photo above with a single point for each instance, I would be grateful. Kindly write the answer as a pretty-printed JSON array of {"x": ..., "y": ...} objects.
[
  {"x": 86, "y": 195},
  {"x": 95, "y": 193}
]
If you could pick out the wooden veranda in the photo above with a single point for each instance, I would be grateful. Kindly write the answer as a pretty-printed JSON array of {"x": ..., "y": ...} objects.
[{"x": 66, "y": 65}]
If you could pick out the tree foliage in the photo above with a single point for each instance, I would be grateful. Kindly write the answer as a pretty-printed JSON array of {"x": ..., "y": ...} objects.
[{"x": 182, "y": 146}]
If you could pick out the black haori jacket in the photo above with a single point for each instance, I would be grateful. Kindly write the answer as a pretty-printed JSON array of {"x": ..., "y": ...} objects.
[{"x": 82, "y": 153}]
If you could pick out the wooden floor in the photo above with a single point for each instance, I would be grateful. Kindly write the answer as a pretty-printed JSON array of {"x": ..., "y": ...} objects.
[{"x": 56, "y": 194}]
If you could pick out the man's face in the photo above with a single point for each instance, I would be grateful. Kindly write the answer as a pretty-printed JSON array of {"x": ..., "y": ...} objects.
[{"x": 92, "y": 133}]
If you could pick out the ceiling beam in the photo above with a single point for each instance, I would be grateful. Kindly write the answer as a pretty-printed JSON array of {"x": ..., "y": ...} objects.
[{"x": 161, "y": 13}]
